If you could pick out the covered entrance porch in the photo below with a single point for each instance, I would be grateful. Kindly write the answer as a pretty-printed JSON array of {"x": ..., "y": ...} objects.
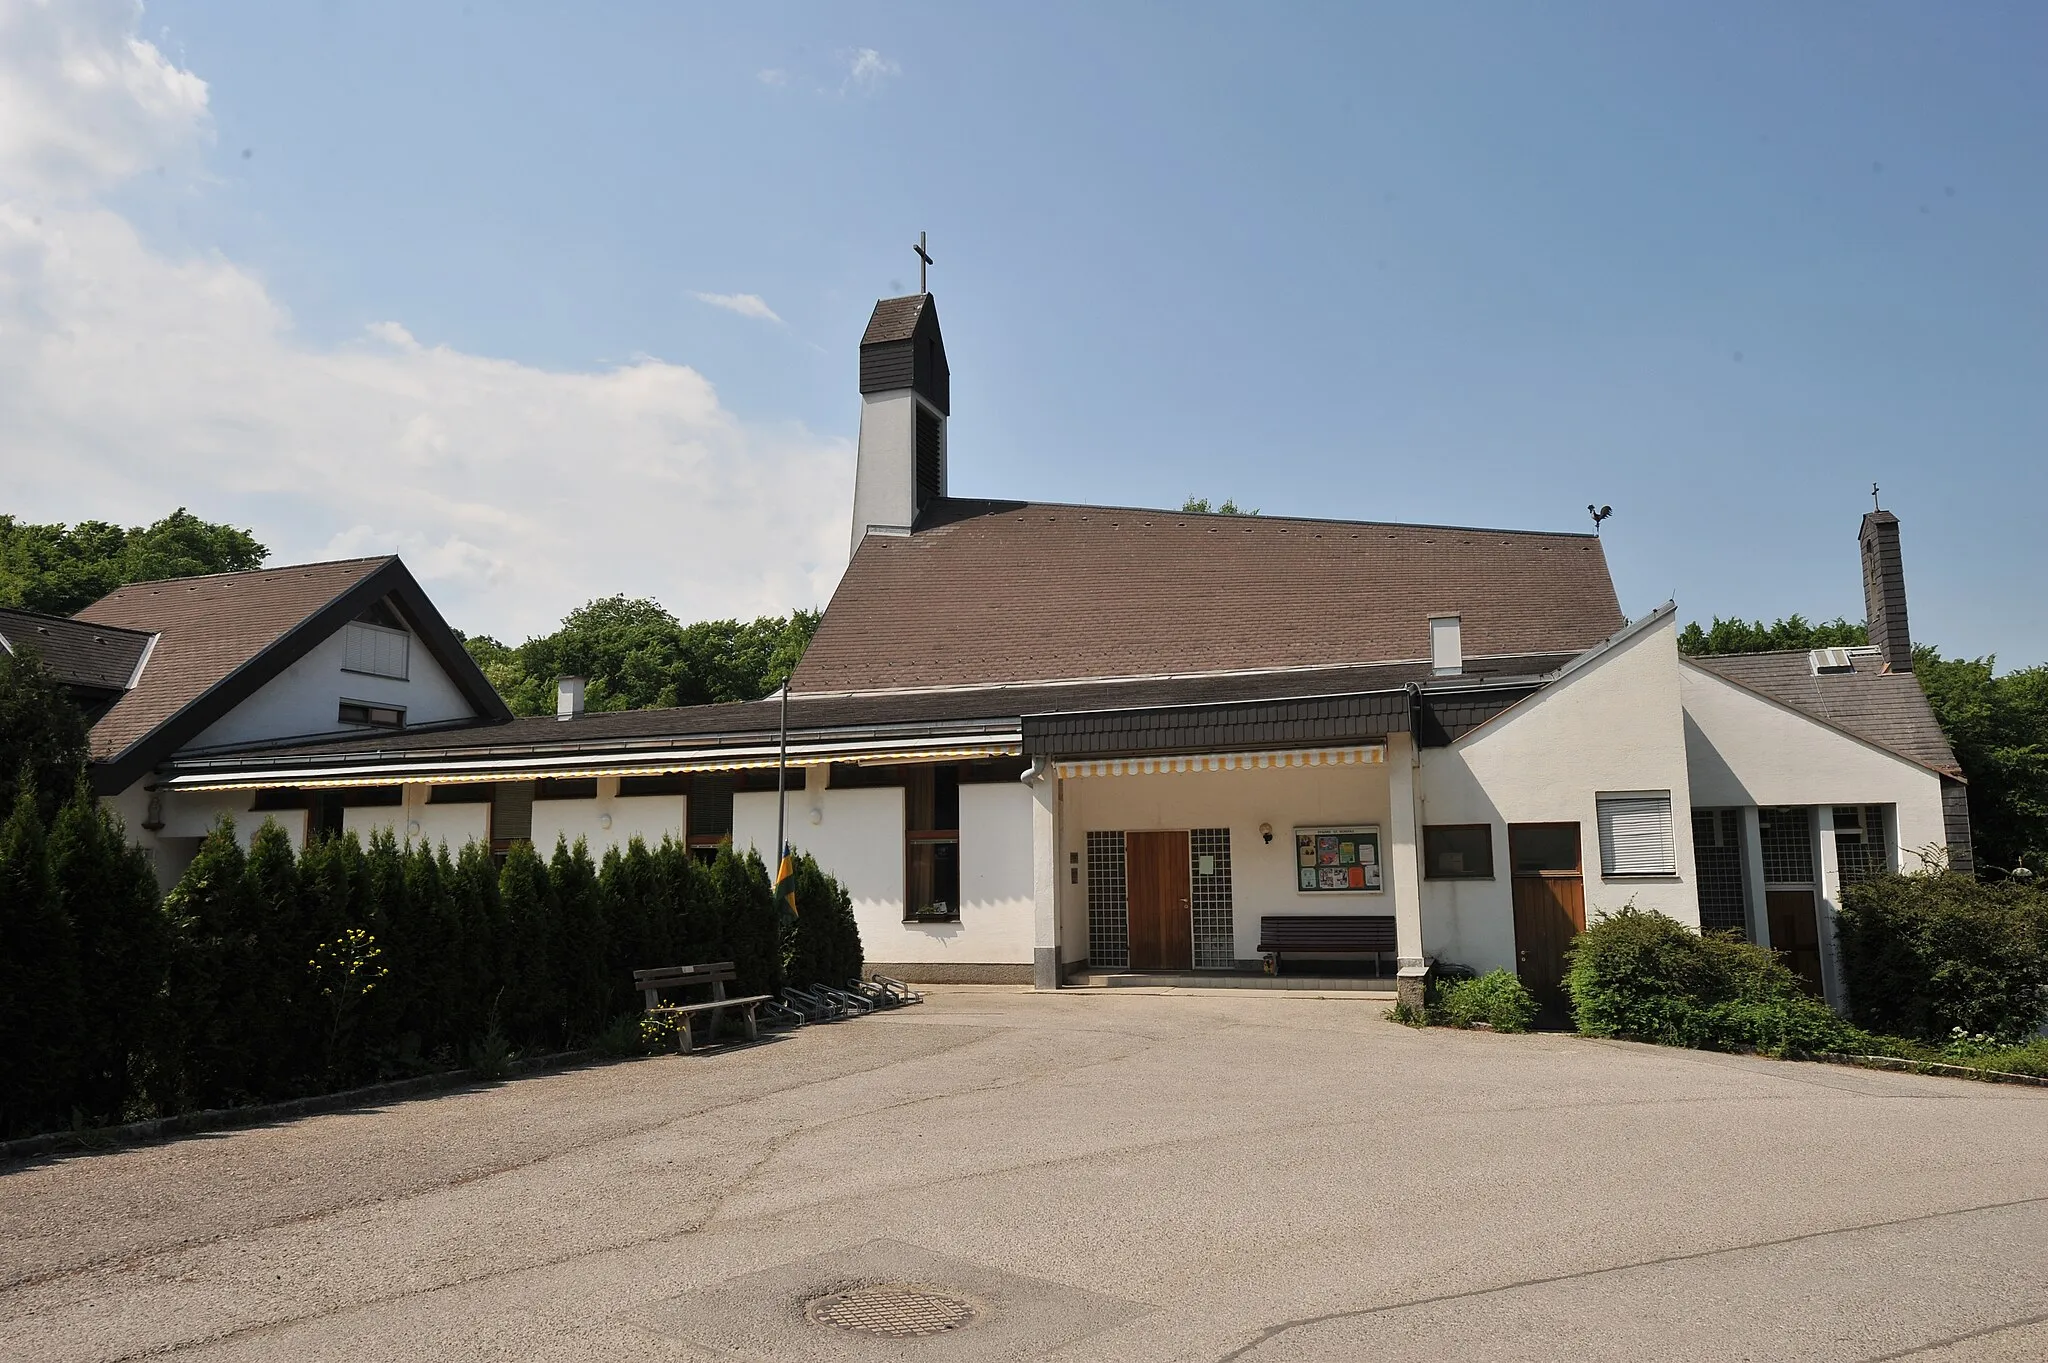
[{"x": 1174, "y": 871}]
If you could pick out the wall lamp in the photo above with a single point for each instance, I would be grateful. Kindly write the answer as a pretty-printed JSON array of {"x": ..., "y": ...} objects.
[{"x": 1266, "y": 831}]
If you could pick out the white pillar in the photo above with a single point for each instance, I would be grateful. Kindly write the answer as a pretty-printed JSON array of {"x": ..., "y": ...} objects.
[
  {"x": 1830, "y": 895},
  {"x": 1045, "y": 878},
  {"x": 1753, "y": 876},
  {"x": 1403, "y": 856}
]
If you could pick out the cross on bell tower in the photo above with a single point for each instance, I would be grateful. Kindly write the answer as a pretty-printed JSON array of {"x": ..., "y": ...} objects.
[{"x": 924, "y": 263}]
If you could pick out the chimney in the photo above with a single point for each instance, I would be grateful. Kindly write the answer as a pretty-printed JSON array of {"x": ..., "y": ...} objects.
[
  {"x": 1884, "y": 590},
  {"x": 569, "y": 697},
  {"x": 905, "y": 395},
  {"x": 1446, "y": 646}
]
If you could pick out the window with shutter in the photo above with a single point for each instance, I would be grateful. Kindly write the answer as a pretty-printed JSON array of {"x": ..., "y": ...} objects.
[
  {"x": 376, "y": 651},
  {"x": 1635, "y": 835}
]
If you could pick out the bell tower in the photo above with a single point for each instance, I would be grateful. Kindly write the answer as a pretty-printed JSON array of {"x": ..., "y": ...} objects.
[{"x": 905, "y": 394}]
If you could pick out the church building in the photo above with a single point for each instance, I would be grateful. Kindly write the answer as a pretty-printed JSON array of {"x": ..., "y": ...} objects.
[{"x": 1044, "y": 742}]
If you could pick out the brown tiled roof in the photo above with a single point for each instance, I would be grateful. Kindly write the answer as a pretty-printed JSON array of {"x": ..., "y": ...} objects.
[
  {"x": 1885, "y": 708},
  {"x": 77, "y": 653},
  {"x": 1007, "y": 592},
  {"x": 207, "y": 627}
]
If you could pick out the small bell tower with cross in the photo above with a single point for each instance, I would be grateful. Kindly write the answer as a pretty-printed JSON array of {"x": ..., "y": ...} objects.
[{"x": 905, "y": 397}]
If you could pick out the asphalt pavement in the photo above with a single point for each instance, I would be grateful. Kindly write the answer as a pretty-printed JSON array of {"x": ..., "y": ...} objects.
[{"x": 1112, "y": 1174}]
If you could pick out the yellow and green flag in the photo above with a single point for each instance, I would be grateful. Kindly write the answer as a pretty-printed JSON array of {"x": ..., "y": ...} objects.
[{"x": 785, "y": 882}]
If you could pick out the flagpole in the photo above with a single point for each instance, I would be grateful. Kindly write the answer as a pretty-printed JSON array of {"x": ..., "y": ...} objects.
[{"x": 782, "y": 782}]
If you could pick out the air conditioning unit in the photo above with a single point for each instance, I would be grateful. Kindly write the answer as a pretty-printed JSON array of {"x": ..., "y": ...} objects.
[{"x": 1827, "y": 660}]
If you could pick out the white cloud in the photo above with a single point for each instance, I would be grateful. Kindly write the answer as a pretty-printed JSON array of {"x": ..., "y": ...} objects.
[
  {"x": 133, "y": 381},
  {"x": 773, "y": 75},
  {"x": 745, "y": 304},
  {"x": 866, "y": 69}
]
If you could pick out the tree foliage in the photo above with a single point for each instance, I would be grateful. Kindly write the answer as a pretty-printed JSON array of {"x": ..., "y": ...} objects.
[
  {"x": 636, "y": 655},
  {"x": 1754, "y": 636},
  {"x": 1199, "y": 506},
  {"x": 42, "y": 734},
  {"x": 1998, "y": 726},
  {"x": 59, "y": 569}
]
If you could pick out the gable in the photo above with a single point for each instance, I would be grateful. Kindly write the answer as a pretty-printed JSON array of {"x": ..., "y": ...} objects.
[
  {"x": 1876, "y": 704},
  {"x": 1746, "y": 748},
  {"x": 365, "y": 661},
  {"x": 220, "y": 639},
  {"x": 999, "y": 593}
]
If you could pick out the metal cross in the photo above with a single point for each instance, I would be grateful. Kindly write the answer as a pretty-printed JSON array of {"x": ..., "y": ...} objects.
[
  {"x": 1873, "y": 498},
  {"x": 924, "y": 262}
]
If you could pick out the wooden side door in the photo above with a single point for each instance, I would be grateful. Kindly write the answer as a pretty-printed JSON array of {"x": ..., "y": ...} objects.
[
  {"x": 1795, "y": 932},
  {"x": 1550, "y": 907},
  {"x": 1156, "y": 892}
]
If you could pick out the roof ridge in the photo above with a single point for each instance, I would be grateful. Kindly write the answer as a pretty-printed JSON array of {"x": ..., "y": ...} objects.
[
  {"x": 1268, "y": 519},
  {"x": 249, "y": 572}
]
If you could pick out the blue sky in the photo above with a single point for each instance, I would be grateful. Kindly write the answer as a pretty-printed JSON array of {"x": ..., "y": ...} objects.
[{"x": 1720, "y": 267}]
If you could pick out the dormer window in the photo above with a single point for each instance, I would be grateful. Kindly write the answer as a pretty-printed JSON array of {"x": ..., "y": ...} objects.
[{"x": 376, "y": 644}]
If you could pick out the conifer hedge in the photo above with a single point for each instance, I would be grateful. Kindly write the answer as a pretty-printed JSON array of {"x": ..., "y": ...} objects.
[{"x": 275, "y": 972}]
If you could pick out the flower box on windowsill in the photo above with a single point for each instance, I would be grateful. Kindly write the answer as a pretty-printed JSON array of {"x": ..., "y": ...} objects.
[{"x": 933, "y": 915}]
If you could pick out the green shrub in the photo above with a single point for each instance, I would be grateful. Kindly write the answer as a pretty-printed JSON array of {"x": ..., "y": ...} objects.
[
  {"x": 621, "y": 1037},
  {"x": 1924, "y": 955},
  {"x": 1496, "y": 999},
  {"x": 1646, "y": 977},
  {"x": 40, "y": 1003},
  {"x": 822, "y": 944}
]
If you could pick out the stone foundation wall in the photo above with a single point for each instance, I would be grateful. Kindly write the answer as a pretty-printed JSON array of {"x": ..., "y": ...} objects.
[{"x": 953, "y": 972}]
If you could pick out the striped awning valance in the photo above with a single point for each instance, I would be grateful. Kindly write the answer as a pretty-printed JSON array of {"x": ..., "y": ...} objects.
[{"x": 1364, "y": 754}]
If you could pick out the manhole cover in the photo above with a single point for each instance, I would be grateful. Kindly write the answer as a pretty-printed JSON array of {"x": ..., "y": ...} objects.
[{"x": 892, "y": 1310}]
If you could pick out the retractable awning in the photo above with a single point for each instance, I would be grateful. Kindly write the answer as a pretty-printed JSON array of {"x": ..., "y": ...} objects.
[{"x": 1362, "y": 754}]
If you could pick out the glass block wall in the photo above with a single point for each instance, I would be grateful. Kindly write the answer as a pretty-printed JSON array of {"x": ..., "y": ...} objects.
[
  {"x": 1717, "y": 855},
  {"x": 1109, "y": 930},
  {"x": 1788, "y": 845},
  {"x": 1209, "y": 881}
]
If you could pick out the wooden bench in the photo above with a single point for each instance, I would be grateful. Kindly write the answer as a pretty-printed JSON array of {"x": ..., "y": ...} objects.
[
  {"x": 1323, "y": 934},
  {"x": 717, "y": 975}
]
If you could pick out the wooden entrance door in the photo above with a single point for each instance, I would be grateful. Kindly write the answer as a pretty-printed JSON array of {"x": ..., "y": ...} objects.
[
  {"x": 1156, "y": 892},
  {"x": 1795, "y": 932},
  {"x": 1550, "y": 907}
]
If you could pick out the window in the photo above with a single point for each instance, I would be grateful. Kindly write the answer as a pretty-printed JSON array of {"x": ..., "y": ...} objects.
[
  {"x": 1457, "y": 851},
  {"x": 376, "y": 716},
  {"x": 709, "y": 814},
  {"x": 931, "y": 813},
  {"x": 654, "y": 785},
  {"x": 1539, "y": 849},
  {"x": 375, "y": 650},
  {"x": 462, "y": 793},
  {"x": 565, "y": 788},
  {"x": 1635, "y": 835},
  {"x": 1861, "y": 847}
]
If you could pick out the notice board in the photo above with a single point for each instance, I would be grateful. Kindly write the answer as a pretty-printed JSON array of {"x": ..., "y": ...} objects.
[{"x": 1343, "y": 859}]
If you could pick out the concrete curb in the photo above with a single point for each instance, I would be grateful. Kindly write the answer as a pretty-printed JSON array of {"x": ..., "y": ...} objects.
[
  {"x": 1892, "y": 1062},
  {"x": 222, "y": 1118}
]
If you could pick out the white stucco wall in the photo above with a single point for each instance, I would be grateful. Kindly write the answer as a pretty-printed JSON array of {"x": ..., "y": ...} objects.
[
  {"x": 1745, "y": 749},
  {"x": 883, "y": 483},
  {"x": 305, "y": 697},
  {"x": 1263, "y": 875},
  {"x": 1614, "y": 725},
  {"x": 996, "y": 892},
  {"x": 418, "y": 821},
  {"x": 858, "y": 840},
  {"x": 608, "y": 821}
]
